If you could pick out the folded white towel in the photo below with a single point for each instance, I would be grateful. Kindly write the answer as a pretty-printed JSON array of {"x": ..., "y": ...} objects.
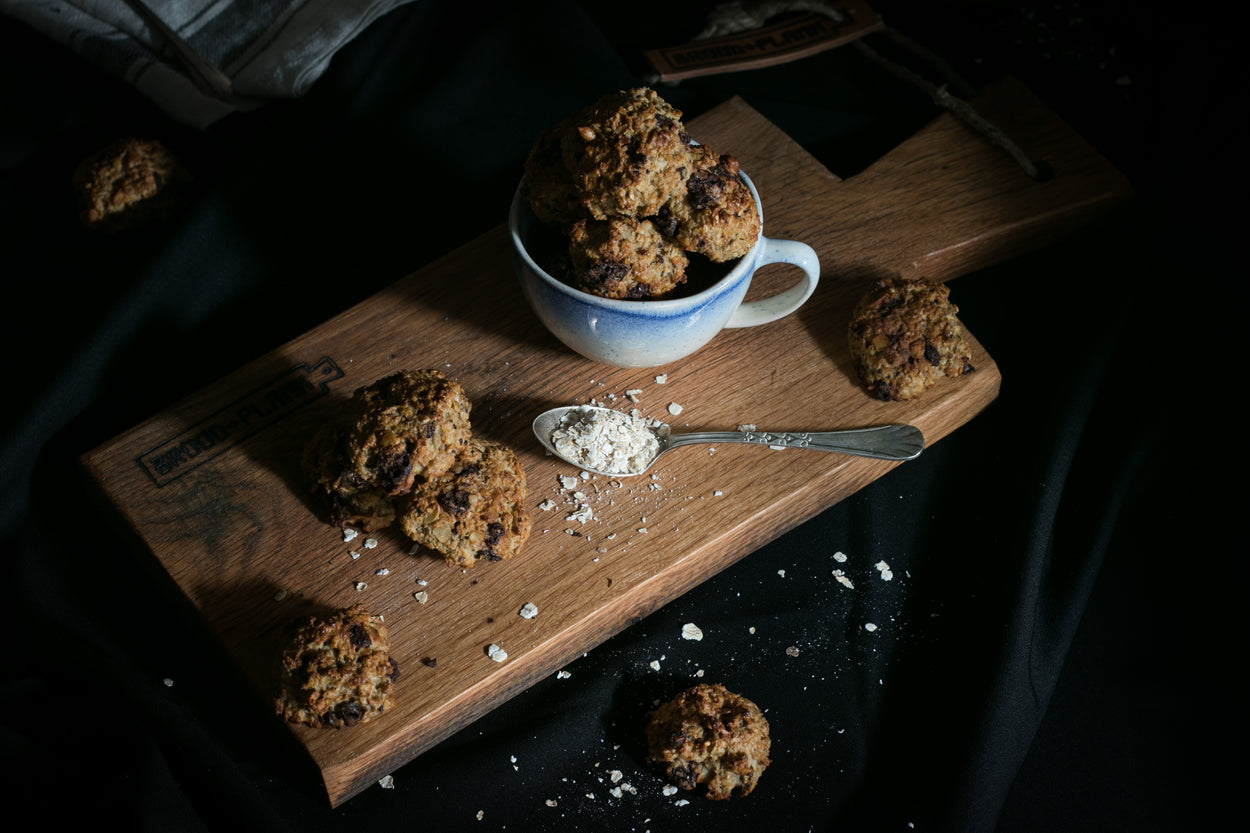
[{"x": 267, "y": 48}]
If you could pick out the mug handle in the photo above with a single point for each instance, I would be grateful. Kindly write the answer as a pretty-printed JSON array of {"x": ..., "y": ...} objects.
[{"x": 766, "y": 310}]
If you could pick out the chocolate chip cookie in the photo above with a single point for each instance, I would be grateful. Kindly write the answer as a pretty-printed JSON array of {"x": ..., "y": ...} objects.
[
  {"x": 904, "y": 336},
  {"x": 475, "y": 511},
  {"x": 336, "y": 671},
  {"x": 707, "y": 735}
]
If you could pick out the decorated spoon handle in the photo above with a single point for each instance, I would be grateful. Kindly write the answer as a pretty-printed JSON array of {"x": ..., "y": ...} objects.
[{"x": 883, "y": 442}]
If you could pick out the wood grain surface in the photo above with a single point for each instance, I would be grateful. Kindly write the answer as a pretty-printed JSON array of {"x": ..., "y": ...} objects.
[{"x": 210, "y": 487}]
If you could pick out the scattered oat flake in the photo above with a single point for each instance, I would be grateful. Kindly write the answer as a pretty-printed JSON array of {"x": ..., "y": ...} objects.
[
  {"x": 563, "y": 675},
  {"x": 583, "y": 514},
  {"x": 528, "y": 611},
  {"x": 843, "y": 579},
  {"x": 547, "y": 505},
  {"x": 382, "y": 572},
  {"x": 884, "y": 569},
  {"x": 169, "y": 683},
  {"x": 681, "y": 802},
  {"x": 349, "y": 534},
  {"x": 279, "y": 596},
  {"x": 496, "y": 653},
  {"x": 655, "y": 665},
  {"x": 793, "y": 651},
  {"x": 360, "y": 585},
  {"x": 387, "y": 782},
  {"x": 480, "y": 813},
  {"x": 781, "y": 573},
  {"x": 839, "y": 556},
  {"x": 674, "y": 408},
  {"x": 421, "y": 596},
  {"x": 870, "y": 627},
  {"x": 568, "y": 481},
  {"x": 370, "y": 543},
  {"x": 691, "y": 631},
  {"x": 551, "y": 802},
  {"x": 354, "y": 555},
  {"x": 661, "y": 379},
  {"x": 669, "y": 789}
]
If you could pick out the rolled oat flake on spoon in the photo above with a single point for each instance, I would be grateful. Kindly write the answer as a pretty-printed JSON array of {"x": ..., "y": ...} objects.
[{"x": 610, "y": 442}]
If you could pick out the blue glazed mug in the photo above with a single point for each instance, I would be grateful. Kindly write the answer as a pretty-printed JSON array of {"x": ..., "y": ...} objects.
[{"x": 625, "y": 333}]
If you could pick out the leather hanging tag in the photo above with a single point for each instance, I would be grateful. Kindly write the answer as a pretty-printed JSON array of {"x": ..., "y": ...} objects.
[{"x": 789, "y": 39}]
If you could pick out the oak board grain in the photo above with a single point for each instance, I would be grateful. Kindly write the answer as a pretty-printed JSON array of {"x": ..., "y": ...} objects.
[{"x": 210, "y": 486}]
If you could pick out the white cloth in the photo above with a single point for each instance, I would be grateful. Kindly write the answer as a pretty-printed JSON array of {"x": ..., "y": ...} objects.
[{"x": 268, "y": 48}]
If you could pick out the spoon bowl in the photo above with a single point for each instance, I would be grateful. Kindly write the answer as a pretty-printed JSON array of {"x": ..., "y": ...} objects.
[{"x": 593, "y": 439}]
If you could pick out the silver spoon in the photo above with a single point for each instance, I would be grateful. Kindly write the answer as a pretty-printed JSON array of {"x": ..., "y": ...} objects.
[{"x": 883, "y": 442}]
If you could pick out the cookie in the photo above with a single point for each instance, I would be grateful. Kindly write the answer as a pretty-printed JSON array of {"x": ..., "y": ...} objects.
[
  {"x": 336, "y": 671},
  {"x": 548, "y": 185},
  {"x": 904, "y": 336},
  {"x": 715, "y": 216},
  {"x": 625, "y": 155},
  {"x": 710, "y": 736},
  {"x": 348, "y": 502},
  {"x": 409, "y": 425},
  {"x": 474, "y": 512},
  {"x": 624, "y": 258},
  {"x": 130, "y": 183}
]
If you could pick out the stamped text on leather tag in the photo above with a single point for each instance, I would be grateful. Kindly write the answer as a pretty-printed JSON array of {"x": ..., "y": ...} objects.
[{"x": 787, "y": 40}]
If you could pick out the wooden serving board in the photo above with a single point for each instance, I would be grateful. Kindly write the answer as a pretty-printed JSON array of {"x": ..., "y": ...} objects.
[{"x": 211, "y": 486}]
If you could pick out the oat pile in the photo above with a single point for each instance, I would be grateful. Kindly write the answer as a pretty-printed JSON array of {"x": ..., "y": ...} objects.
[{"x": 606, "y": 441}]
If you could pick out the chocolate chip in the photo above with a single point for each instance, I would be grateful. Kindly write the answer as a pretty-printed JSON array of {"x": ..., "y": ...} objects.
[
  {"x": 454, "y": 502},
  {"x": 604, "y": 274},
  {"x": 351, "y": 713},
  {"x": 358, "y": 636}
]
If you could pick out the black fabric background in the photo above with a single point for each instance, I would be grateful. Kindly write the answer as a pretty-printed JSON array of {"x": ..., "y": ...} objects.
[{"x": 1058, "y": 649}]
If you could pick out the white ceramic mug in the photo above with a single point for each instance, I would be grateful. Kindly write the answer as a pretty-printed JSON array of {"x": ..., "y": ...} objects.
[{"x": 650, "y": 333}]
